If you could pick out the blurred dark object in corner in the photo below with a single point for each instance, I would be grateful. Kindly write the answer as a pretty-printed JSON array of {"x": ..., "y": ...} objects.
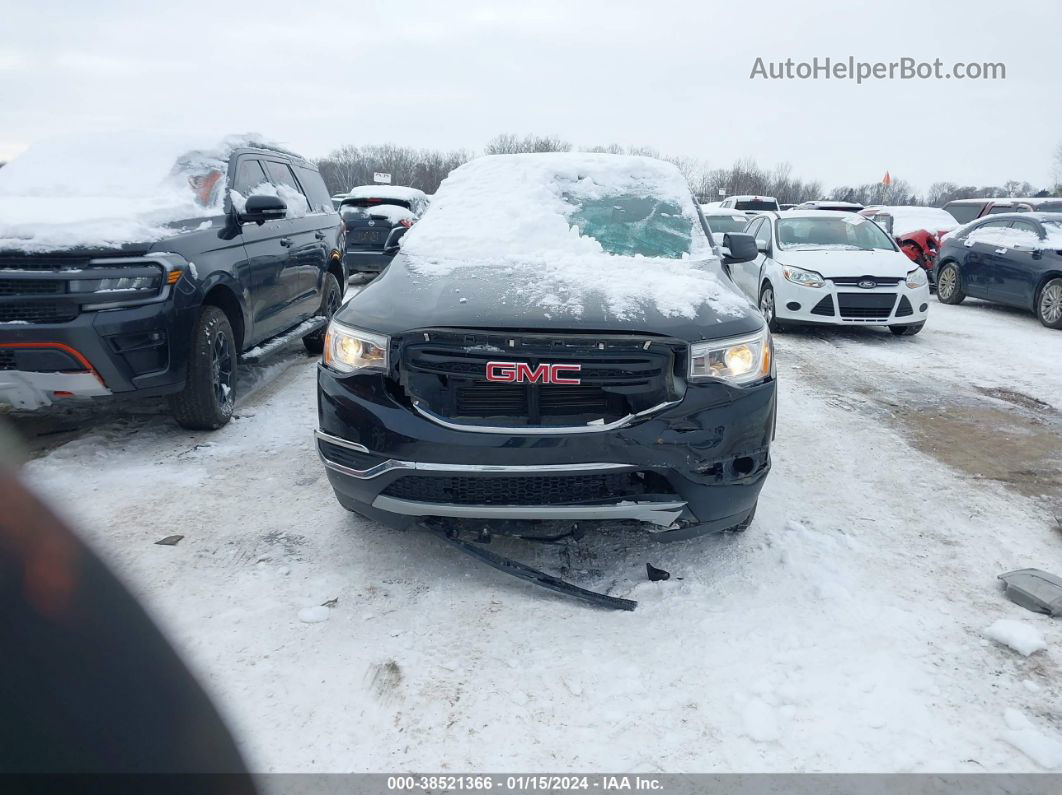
[{"x": 88, "y": 684}]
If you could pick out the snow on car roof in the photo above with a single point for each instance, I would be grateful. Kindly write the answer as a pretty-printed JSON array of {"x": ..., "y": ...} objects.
[
  {"x": 521, "y": 214},
  {"x": 108, "y": 190},
  {"x": 400, "y": 192},
  {"x": 908, "y": 218}
]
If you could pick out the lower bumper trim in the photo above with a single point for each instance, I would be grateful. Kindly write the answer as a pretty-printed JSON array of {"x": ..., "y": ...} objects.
[
  {"x": 653, "y": 512},
  {"x": 26, "y": 390}
]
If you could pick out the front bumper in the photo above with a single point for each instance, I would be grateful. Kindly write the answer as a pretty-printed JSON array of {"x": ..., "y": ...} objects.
[
  {"x": 140, "y": 349},
  {"x": 839, "y": 304},
  {"x": 698, "y": 465}
]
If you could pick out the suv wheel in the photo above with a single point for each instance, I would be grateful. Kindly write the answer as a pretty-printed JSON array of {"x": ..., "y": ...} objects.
[
  {"x": 907, "y": 331},
  {"x": 767, "y": 307},
  {"x": 330, "y": 302},
  {"x": 949, "y": 284},
  {"x": 1049, "y": 304},
  {"x": 208, "y": 396}
]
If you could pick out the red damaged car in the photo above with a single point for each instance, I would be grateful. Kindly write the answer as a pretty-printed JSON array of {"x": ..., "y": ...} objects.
[{"x": 916, "y": 230}]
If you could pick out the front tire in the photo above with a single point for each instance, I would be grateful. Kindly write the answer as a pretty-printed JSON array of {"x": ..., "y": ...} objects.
[
  {"x": 331, "y": 300},
  {"x": 209, "y": 394},
  {"x": 907, "y": 331},
  {"x": 1049, "y": 304},
  {"x": 767, "y": 307},
  {"x": 949, "y": 284}
]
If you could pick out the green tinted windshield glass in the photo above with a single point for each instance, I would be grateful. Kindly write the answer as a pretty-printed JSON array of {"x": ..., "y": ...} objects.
[{"x": 629, "y": 225}]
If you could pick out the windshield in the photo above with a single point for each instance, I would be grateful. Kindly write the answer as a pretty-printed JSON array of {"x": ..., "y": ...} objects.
[
  {"x": 963, "y": 212},
  {"x": 755, "y": 204},
  {"x": 721, "y": 224},
  {"x": 360, "y": 203},
  {"x": 632, "y": 225},
  {"x": 847, "y": 232}
]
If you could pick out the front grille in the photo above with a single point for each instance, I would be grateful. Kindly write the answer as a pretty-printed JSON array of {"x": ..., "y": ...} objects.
[
  {"x": 516, "y": 490},
  {"x": 43, "y": 262},
  {"x": 31, "y": 286},
  {"x": 621, "y": 375},
  {"x": 824, "y": 307},
  {"x": 865, "y": 306},
  {"x": 37, "y": 313},
  {"x": 853, "y": 281},
  {"x": 904, "y": 309},
  {"x": 7, "y": 359}
]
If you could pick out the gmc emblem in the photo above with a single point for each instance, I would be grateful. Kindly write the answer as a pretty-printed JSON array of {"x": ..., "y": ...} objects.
[{"x": 521, "y": 372}]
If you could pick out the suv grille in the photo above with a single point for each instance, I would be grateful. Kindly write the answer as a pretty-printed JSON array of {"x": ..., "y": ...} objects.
[
  {"x": 7, "y": 359},
  {"x": 620, "y": 375},
  {"x": 37, "y": 313},
  {"x": 865, "y": 306},
  {"x": 30, "y": 286},
  {"x": 516, "y": 490}
]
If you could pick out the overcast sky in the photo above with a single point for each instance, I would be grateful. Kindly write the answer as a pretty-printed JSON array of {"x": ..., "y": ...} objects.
[{"x": 671, "y": 75}]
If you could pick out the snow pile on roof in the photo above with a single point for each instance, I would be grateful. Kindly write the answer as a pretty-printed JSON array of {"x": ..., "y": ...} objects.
[
  {"x": 1018, "y": 635},
  {"x": 392, "y": 213},
  {"x": 907, "y": 219},
  {"x": 399, "y": 192},
  {"x": 108, "y": 190},
  {"x": 514, "y": 213}
]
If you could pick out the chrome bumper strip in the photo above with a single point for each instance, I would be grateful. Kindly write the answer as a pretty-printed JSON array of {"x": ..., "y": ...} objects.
[
  {"x": 659, "y": 513},
  {"x": 424, "y": 466},
  {"x": 560, "y": 430}
]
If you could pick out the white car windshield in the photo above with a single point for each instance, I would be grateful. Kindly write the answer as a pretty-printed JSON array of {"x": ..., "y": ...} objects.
[{"x": 850, "y": 232}]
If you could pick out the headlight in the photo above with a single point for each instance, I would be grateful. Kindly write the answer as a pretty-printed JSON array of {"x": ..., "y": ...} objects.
[
  {"x": 351, "y": 350},
  {"x": 124, "y": 284},
  {"x": 802, "y": 277},
  {"x": 739, "y": 360},
  {"x": 917, "y": 278}
]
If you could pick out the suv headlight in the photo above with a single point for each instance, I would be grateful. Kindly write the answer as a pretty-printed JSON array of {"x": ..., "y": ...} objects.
[
  {"x": 350, "y": 350},
  {"x": 917, "y": 278},
  {"x": 802, "y": 277},
  {"x": 738, "y": 360}
]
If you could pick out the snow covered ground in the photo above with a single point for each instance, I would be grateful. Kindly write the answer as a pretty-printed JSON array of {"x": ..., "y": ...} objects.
[{"x": 847, "y": 630}]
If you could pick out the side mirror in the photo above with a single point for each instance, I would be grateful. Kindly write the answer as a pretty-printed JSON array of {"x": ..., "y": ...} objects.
[
  {"x": 260, "y": 209},
  {"x": 742, "y": 247}
]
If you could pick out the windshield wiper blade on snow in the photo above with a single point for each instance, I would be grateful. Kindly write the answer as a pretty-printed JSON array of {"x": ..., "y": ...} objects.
[{"x": 525, "y": 572}]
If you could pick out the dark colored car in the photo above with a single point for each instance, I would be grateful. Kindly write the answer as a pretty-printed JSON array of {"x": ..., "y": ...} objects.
[
  {"x": 966, "y": 210},
  {"x": 576, "y": 356},
  {"x": 248, "y": 251},
  {"x": 1011, "y": 259},
  {"x": 376, "y": 217}
]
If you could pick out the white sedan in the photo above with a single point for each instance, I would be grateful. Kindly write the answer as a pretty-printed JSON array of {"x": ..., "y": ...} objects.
[{"x": 837, "y": 268}]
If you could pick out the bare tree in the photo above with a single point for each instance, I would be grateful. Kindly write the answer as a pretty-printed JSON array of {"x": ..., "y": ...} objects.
[{"x": 510, "y": 144}]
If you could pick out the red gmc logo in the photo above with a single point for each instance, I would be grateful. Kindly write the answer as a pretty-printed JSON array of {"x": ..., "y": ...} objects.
[{"x": 520, "y": 372}]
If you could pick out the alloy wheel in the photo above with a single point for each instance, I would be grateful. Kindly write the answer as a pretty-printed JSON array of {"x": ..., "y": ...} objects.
[
  {"x": 221, "y": 361},
  {"x": 767, "y": 304},
  {"x": 946, "y": 283},
  {"x": 1051, "y": 304}
]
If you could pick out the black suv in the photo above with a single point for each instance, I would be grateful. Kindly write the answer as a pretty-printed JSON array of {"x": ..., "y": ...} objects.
[
  {"x": 91, "y": 309},
  {"x": 376, "y": 217},
  {"x": 571, "y": 350}
]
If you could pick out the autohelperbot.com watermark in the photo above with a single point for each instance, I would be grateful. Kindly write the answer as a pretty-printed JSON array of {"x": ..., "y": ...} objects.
[{"x": 864, "y": 71}]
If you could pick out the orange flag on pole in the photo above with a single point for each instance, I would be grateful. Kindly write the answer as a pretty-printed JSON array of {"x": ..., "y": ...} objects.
[{"x": 886, "y": 180}]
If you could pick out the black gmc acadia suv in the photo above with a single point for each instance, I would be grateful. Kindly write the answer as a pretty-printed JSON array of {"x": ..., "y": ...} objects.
[
  {"x": 557, "y": 340},
  {"x": 237, "y": 246}
]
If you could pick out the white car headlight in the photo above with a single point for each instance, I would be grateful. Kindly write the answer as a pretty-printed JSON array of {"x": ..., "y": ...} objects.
[
  {"x": 802, "y": 277},
  {"x": 738, "y": 360},
  {"x": 350, "y": 350},
  {"x": 917, "y": 278}
]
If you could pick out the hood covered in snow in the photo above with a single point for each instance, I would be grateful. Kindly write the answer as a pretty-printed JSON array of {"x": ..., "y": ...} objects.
[
  {"x": 111, "y": 191},
  {"x": 847, "y": 262},
  {"x": 521, "y": 297}
]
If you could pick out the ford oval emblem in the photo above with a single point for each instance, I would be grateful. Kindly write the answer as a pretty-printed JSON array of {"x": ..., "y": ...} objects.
[
  {"x": 372, "y": 223},
  {"x": 868, "y": 284}
]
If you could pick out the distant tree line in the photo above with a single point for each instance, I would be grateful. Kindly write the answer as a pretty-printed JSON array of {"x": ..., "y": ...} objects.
[{"x": 426, "y": 168}]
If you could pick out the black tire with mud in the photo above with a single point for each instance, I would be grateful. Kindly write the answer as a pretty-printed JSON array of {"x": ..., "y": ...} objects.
[
  {"x": 949, "y": 284},
  {"x": 331, "y": 300},
  {"x": 908, "y": 330},
  {"x": 773, "y": 323},
  {"x": 208, "y": 397}
]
